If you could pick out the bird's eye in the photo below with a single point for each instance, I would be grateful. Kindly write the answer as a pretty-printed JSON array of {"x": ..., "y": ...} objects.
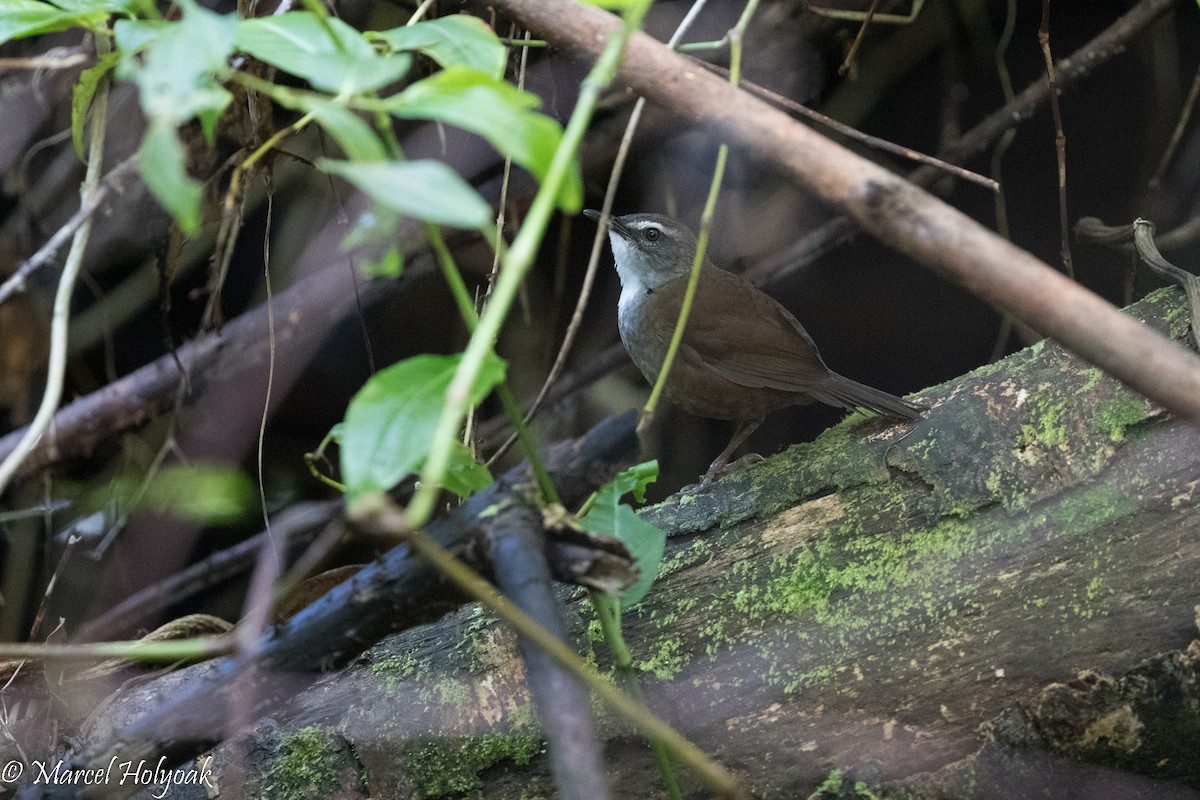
[{"x": 652, "y": 234}]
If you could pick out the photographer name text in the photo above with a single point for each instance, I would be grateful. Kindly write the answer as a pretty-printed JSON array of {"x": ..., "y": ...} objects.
[{"x": 118, "y": 773}]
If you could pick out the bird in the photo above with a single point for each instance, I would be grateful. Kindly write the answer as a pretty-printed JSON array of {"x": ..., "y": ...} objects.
[{"x": 742, "y": 356}]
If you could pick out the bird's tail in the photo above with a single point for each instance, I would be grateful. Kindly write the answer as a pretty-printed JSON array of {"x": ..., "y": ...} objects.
[{"x": 841, "y": 391}]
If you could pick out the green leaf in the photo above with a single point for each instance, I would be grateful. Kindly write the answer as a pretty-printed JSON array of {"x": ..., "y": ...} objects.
[
  {"x": 608, "y": 516},
  {"x": 427, "y": 190},
  {"x": 357, "y": 139},
  {"x": 178, "y": 79},
  {"x": 22, "y": 18},
  {"x": 206, "y": 494},
  {"x": 161, "y": 159},
  {"x": 635, "y": 480},
  {"x": 133, "y": 35},
  {"x": 375, "y": 244},
  {"x": 390, "y": 423},
  {"x": 81, "y": 96},
  {"x": 325, "y": 51},
  {"x": 500, "y": 113},
  {"x": 464, "y": 475},
  {"x": 451, "y": 41},
  {"x": 90, "y": 6}
]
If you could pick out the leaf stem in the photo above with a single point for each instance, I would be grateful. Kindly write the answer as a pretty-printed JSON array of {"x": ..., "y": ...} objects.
[
  {"x": 735, "y": 37},
  {"x": 512, "y": 409},
  {"x": 608, "y": 611},
  {"x": 191, "y": 649}
]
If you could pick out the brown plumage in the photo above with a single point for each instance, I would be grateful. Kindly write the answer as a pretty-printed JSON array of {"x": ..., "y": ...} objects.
[{"x": 742, "y": 356}]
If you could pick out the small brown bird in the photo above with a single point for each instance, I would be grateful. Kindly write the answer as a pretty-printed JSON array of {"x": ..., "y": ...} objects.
[{"x": 742, "y": 356}]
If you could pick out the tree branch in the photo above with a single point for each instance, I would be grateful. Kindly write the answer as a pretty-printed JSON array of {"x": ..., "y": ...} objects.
[{"x": 889, "y": 207}]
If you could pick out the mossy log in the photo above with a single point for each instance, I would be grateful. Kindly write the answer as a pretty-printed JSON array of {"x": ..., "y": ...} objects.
[{"x": 995, "y": 601}]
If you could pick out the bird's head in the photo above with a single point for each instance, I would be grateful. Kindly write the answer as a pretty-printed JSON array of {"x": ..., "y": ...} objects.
[{"x": 649, "y": 249}]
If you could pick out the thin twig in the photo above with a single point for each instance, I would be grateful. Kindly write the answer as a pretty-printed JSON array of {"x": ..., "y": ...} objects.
[
  {"x": 61, "y": 318},
  {"x": 601, "y": 235},
  {"x": 858, "y": 37},
  {"x": 91, "y": 202},
  {"x": 849, "y": 132},
  {"x": 1185, "y": 116},
  {"x": 1060, "y": 139},
  {"x": 736, "y": 36},
  {"x": 420, "y": 12},
  {"x": 502, "y": 203},
  {"x": 191, "y": 649},
  {"x": 1112, "y": 41},
  {"x": 266, "y": 406},
  {"x": 45, "y": 61},
  {"x": 888, "y": 19}
]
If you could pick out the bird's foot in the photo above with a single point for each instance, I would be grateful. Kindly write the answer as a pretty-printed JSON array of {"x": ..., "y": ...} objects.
[
  {"x": 748, "y": 460},
  {"x": 721, "y": 468}
]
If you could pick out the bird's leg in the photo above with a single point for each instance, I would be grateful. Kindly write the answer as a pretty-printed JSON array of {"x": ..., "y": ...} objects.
[{"x": 743, "y": 430}]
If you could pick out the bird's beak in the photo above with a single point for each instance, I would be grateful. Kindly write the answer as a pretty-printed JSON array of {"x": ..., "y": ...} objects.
[{"x": 613, "y": 223}]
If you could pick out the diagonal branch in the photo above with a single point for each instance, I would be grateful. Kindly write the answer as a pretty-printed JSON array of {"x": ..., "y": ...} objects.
[{"x": 890, "y": 208}]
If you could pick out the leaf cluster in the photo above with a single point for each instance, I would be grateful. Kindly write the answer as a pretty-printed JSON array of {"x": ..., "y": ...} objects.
[
  {"x": 190, "y": 70},
  {"x": 184, "y": 69}
]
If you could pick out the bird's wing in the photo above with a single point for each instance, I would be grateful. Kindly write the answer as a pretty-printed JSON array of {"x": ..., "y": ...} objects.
[{"x": 758, "y": 344}]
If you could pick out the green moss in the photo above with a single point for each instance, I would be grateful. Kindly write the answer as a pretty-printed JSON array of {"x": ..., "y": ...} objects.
[
  {"x": 476, "y": 619},
  {"x": 459, "y": 694},
  {"x": 865, "y": 565},
  {"x": 1120, "y": 729},
  {"x": 1118, "y": 415},
  {"x": 396, "y": 665},
  {"x": 862, "y": 790},
  {"x": 868, "y": 578},
  {"x": 310, "y": 763},
  {"x": 839, "y": 787},
  {"x": 831, "y": 784},
  {"x": 1083, "y": 511},
  {"x": 394, "y": 669},
  {"x": 437, "y": 767},
  {"x": 799, "y": 681},
  {"x": 666, "y": 659},
  {"x": 1046, "y": 423},
  {"x": 1178, "y": 316},
  {"x": 538, "y": 789},
  {"x": 1093, "y": 375},
  {"x": 595, "y": 631}
]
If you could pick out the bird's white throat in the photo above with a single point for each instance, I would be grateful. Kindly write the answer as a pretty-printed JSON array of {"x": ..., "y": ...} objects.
[{"x": 633, "y": 288}]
